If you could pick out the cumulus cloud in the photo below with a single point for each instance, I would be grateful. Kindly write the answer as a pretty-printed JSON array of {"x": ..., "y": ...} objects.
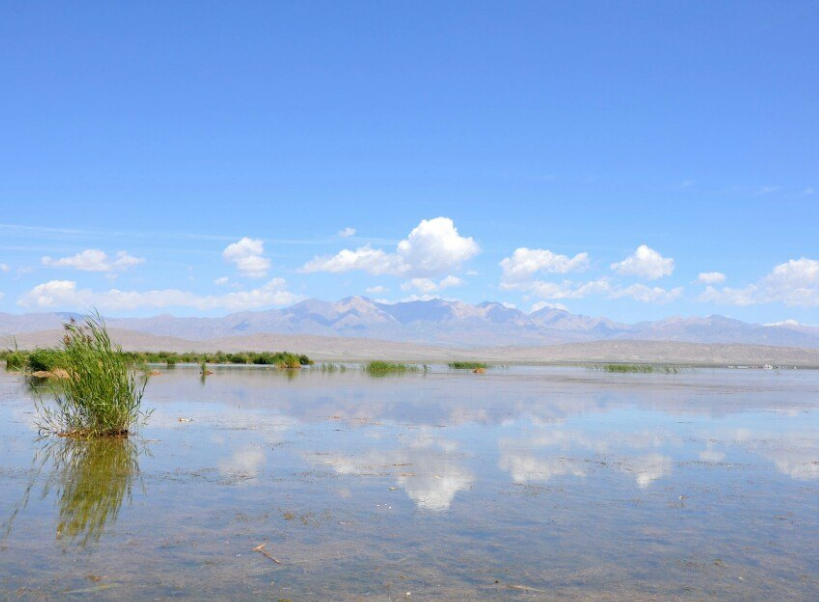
[
  {"x": 646, "y": 263},
  {"x": 564, "y": 290},
  {"x": 4, "y": 267},
  {"x": 740, "y": 297},
  {"x": 94, "y": 260},
  {"x": 525, "y": 263},
  {"x": 647, "y": 294},
  {"x": 710, "y": 278},
  {"x": 221, "y": 281},
  {"x": 794, "y": 283},
  {"x": 346, "y": 233},
  {"x": 427, "y": 285},
  {"x": 64, "y": 294},
  {"x": 248, "y": 256},
  {"x": 376, "y": 290},
  {"x": 603, "y": 286},
  {"x": 784, "y": 323},
  {"x": 367, "y": 259},
  {"x": 544, "y": 304},
  {"x": 433, "y": 247}
]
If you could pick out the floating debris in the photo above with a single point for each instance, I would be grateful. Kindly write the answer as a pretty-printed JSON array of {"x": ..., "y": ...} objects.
[{"x": 261, "y": 550}]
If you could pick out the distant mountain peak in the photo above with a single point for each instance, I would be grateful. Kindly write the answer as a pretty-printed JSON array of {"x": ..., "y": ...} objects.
[{"x": 442, "y": 322}]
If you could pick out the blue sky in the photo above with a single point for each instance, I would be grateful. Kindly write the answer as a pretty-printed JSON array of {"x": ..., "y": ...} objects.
[{"x": 554, "y": 140}]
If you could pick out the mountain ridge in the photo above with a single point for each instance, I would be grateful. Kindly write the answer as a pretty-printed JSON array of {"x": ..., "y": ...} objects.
[{"x": 439, "y": 322}]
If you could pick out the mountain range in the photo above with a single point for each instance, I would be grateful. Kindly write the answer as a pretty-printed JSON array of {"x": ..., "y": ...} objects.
[{"x": 442, "y": 323}]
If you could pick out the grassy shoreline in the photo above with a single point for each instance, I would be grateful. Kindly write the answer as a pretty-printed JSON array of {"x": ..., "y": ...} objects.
[{"x": 51, "y": 359}]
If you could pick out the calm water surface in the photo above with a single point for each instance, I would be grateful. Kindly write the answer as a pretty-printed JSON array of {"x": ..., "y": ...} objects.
[{"x": 523, "y": 483}]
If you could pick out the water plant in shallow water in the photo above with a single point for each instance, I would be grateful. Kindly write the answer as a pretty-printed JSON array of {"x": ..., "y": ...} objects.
[
  {"x": 380, "y": 367},
  {"x": 642, "y": 368},
  {"x": 468, "y": 365},
  {"x": 101, "y": 395}
]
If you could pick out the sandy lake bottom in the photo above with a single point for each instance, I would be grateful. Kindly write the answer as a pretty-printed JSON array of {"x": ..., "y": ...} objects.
[{"x": 526, "y": 483}]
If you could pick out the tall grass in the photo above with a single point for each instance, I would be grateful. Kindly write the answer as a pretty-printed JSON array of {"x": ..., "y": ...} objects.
[
  {"x": 101, "y": 395},
  {"x": 468, "y": 365},
  {"x": 15, "y": 361},
  {"x": 47, "y": 360},
  {"x": 641, "y": 368},
  {"x": 379, "y": 367}
]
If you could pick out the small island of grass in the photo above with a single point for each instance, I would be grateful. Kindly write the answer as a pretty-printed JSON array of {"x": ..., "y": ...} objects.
[
  {"x": 381, "y": 367},
  {"x": 469, "y": 366},
  {"x": 640, "y": 368}
]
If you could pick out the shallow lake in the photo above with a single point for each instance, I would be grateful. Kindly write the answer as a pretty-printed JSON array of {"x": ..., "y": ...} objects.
[{"x": 526, "y": 483}]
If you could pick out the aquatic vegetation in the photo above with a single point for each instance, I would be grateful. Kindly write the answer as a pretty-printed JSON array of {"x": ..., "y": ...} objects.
[
  {"x": 45, "y": 360},
  {"x": 15, "y": 361},
  {"x": 381, "y": 367},
  {"x": 102, "y": 395},
  {"x": 468, "y": 365},
  {"x": 641, "y": 368},
  {"x": 49, "y": 359},
  {"x": 330, "y": 367}
]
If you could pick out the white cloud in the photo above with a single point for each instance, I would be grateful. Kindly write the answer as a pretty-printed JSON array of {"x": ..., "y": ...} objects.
[
  {"x": 372, "y": 261},
  {"x": 645, "y": 262},
  {"x": 525, "y": 263},
  {"x": 794, "y": 283},
  {"x": 647, "y": 294},
  {"x": 730, "y": 296},
  {"x": 376, "y": 290},
  {"x": 603, "y": 286},
  {"x": 64, "y": 294},
  {"x": 784, "y": 323},
  {"x": 221, "y": 281},
  {"x": 427, "y": 285},
  {"x": 508, "y": 305},
  {"x": 711, "y": 278},
  {"x": 808, "y": 192},
  {"x": 544, "y": 304},
  {"x": 346, "y": 233},
  {"x": 4, "y": 267},
  {"x": 567, "y": 289},
  {"x": 248, "y": 256},
  {"x": 94, "y": 260},
  {"x": 433, "y": 247}
]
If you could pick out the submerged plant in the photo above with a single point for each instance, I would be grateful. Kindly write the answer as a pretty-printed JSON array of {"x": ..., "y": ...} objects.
[{"x": 101, "y": 395}]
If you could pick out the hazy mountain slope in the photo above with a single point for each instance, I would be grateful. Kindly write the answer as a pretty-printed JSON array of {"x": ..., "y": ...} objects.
[
  {"x": 358, "y": 349},
  {"x": 441, "y": 323}
]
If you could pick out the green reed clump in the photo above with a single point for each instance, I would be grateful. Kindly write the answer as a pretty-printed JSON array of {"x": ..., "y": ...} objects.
[
  {"x": 641, "y": 368},
  {"x": 332, "y": 367},
  {"x": 15, "y": 361},
  {"x": 468, "y": 365},
  {"x": 46, "y": 360},
  {"x": 101, "y": 394},
  {"x": 380, "y": 367}
]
